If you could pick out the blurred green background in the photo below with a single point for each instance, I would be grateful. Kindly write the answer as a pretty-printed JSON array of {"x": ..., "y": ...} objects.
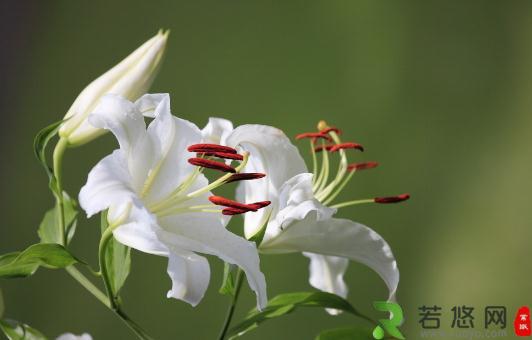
[{"x": 439, "y": 92}]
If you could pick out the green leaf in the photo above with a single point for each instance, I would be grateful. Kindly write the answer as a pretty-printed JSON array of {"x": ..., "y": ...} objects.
[
  {"x": 39, "y": 146},
  {"x": 49, "y": 228},
  {"x": 2, "y": 306},
  {"x": 228, "y": 283},
  {"x": 285, "y": 303},
  {"x": 346, "y": 333},
  {"x": 26, "y": 263},
  {"x": 15, "y": 330},
  {"x": 117, "y": 260}
]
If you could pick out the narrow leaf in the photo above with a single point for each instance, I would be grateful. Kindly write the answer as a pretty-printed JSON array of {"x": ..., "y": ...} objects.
[
  {"x": 228, "y": 283},
  {"x": 346, "y": 333},
  {"x": 41, "y": 141},
  {"x": 117, "y": 260},
  {"x": 49, "y": 228},
  {"x": 15, "y": 330},
  {"x": 2, "y": 306},
  {"x": 26, "y": 263},
  {"x": 286, "y": 303}
]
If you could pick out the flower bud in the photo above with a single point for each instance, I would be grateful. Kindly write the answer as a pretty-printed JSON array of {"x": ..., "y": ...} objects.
[{"x": 131, "y": 78}]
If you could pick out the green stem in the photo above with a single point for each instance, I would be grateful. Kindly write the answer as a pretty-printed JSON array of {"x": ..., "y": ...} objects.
[
  {"x": 231, "y": 310},
  {"x": 59, "y": 152},
  {"x": 139, "y": 332},
  {"x": 88, "y": 285},
  {"x": 104, "y": 241}
]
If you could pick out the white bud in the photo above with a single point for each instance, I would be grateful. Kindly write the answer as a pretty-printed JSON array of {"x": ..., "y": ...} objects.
[{"x": 131, "y": 78}]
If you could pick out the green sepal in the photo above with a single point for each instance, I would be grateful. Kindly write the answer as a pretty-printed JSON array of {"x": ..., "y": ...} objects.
[
  {"x": 117, "y": 260},
  {"x": 228, "y": 283},
  {"x": 49, "y": 228},
  {"x": 15, "y": 330},
  {"x": 346, "y": 333},
  {"x": 286, "y": 303},
  {"x": 26, "y": 263}
]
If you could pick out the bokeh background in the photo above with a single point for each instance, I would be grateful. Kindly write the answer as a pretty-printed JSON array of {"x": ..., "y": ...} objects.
[{"x": 439, "y": 92}]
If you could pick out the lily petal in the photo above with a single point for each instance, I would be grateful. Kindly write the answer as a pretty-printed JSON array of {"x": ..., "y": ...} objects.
[
  {"x": 272, "y": 153},
  {"x": 217, "y": 130},
  {"x": 193, "y": 232},
  {"x": 327, "y": 274},
  {"x": 342, "y": 238},
  {"x": 70, "y": 336},
  {"x": 190, "y": 274},
  {"x": 109, "y": 183}
]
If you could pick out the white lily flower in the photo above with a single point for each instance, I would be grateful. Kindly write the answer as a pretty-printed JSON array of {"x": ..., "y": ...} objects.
[
  {"x": 158, "y": 201},
  {"x": 70, "y": 336},
  {"x": 300, "y": 217},
  {"x": 131, "y": 78}
]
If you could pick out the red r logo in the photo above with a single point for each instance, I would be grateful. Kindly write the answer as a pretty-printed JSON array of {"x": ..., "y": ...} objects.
[{"x": 522, "y": 322}]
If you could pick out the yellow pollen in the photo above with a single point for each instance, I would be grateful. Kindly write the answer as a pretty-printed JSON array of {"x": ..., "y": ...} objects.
[{"x": 322, "y": 125}]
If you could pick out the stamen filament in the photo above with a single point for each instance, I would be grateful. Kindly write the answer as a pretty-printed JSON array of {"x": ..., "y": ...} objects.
[
  {"x": 337, "y": 191},
  {"x": 314, "y": 161},
  {"x": 355, "y": 202},
  {"x": 220, "y": 180}
]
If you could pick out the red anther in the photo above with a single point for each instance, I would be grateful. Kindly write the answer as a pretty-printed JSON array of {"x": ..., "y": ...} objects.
[
  {"x": 329, "y": 129},
  {"x": 226, "y": 155},
  {"x": 261, "y": 204},
  {"x": 362, "y": 166},
  {"x": 321, "y": 147},
  {"x": 233, "y": 211},
  {"x": 244, "y": 176},
  {"x": 347, "y": 146},
  {"x": 392, "y": 199},
  {"x": 314, "y": 135},
  {"x": 226, "y": 202},
  {"x": 207, "y": 163},
  {"x": 210, "y": 148}
]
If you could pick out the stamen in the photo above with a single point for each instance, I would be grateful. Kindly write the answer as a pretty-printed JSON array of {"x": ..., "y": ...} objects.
[
  {"x": 323, "y": 147},
  {"x": 334, "y": 129},
  {"x": 238, "y": 211},
  {"x": 245, "y": 177},
  {"x": 260, "y": 205},
  {"x": 210, "y": 148},
  {"x": 225, "y": 155},
  {"x": 391, "y": 199},
  {"x": 233, "y": 211},
  {"x": 314, "y": 136},
  {"x": 347, "y": 146},
  {"x": 362, "y": 166},
  {"x": 218, "y": 200},
  {"x": 207, "y": 163}
]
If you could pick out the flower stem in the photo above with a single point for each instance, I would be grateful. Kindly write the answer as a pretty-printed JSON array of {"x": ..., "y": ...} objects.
[
  {"x": 59, "y": 152},
  {"x": 139, "y": 332},
  {"x": 232, "y": 306},
  {"x": 88, "y": 285},
  {"x": 106, "y": 237}
]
